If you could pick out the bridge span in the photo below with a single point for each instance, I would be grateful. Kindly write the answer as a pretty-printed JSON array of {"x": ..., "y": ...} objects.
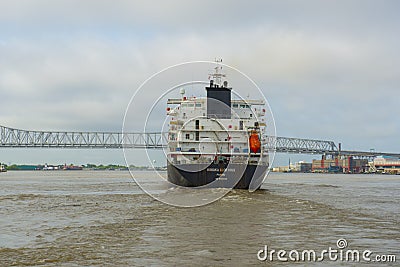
[{"x": 18, "y": 138}]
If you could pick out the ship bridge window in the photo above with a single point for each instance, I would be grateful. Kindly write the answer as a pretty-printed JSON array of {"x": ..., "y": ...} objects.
[
  {"x": 235, "y": 105},
  {"x": 244, "y": 106},
  {"x": 184, "y": 105},
  {"x": 198, "y": 105},
  {"x": 187, "y": 136},
  {"x": 190, "y": 105}
]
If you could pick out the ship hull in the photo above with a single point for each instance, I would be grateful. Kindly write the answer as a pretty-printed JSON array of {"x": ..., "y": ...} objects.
[{"x": 217, "y": 175}]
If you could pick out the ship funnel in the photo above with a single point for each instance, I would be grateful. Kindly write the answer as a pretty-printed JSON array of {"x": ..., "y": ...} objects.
[
  {"x": 218, "y": 96},
  {"x": 218, "y": 102}
]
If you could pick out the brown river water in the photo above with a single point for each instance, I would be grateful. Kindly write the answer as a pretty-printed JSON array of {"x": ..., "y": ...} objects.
[{"x": 102, "y": 218}]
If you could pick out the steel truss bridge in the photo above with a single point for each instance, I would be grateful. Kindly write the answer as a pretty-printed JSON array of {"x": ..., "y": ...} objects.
[{"x": 17, "y": 138}]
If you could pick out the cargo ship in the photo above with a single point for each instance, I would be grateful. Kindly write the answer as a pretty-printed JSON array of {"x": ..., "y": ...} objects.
[{"x": 216, "y": 141}]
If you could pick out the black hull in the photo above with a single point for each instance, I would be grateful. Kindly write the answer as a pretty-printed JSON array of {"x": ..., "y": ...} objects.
[{"x": 238, "y": 176}]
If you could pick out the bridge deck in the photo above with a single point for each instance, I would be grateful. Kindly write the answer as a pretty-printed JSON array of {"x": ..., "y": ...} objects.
[{"x": 17, "y": 138}]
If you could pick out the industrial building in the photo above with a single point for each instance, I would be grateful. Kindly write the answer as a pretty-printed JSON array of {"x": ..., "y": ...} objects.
[
  {"x": 385, "y": 164},
  {"x": 340, "y": 165},
  {"x": 345, "y": 164},
  {"x": 300, "y": 166}
]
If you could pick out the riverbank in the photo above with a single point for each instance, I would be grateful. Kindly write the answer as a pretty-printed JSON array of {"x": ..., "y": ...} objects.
[{"x": 69, "y": 167}]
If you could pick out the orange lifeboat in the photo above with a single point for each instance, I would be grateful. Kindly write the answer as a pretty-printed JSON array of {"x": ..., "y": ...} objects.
[{"x": 254, "y": 141}]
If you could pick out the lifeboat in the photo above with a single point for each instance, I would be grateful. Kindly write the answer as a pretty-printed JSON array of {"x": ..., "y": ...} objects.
[{"x": 254, "y": 142}]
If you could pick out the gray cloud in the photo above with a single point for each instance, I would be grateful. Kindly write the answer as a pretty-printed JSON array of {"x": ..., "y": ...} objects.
[{"x": 329, "y": 69}]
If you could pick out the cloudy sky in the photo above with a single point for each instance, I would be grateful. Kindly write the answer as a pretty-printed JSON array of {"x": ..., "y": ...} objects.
[{"x": 330, "y": 69}]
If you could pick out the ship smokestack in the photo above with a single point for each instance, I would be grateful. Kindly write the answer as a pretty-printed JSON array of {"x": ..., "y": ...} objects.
[{"x": 218, "y": 101}]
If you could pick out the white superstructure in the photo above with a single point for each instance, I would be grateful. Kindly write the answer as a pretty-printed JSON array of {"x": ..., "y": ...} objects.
[{"x": 197, "y": 137}]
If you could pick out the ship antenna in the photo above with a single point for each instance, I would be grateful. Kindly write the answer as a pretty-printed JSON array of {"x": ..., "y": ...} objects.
[{"x": 217, "y": 76}]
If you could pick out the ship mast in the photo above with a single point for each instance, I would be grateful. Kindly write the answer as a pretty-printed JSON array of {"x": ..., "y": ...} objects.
[{"x": 217, "y": 76}]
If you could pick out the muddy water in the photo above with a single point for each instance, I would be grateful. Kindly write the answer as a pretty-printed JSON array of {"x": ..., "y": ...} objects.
[{"x": 83, "y": 218}]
